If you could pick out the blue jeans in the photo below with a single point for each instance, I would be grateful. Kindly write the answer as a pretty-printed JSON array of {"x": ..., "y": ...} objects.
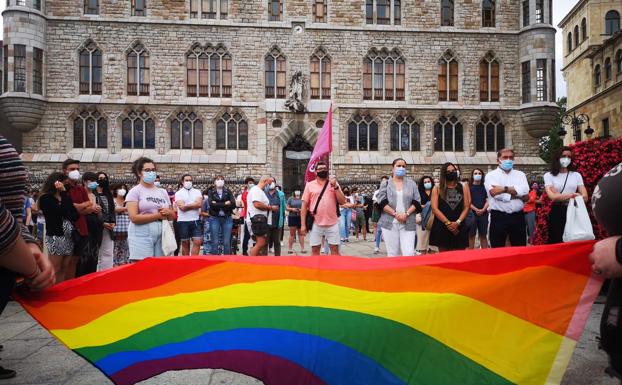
[
  {"x": 221, "y": 227},
  {"x": 378, "y": 236},
  {"x": 145, "y": 240},
  {"x": 345, "y": 221}
]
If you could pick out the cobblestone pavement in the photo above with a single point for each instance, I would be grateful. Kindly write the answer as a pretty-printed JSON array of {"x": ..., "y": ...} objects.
[{"x": 41, "y": 359}]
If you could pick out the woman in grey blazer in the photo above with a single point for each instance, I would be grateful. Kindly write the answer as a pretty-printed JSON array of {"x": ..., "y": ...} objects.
[{"x": 399, "y": 201}]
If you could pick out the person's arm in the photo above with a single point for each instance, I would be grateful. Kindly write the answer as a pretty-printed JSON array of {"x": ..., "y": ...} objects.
[
  {"x": 553, "y": 195},
  {"x": 196, "y": 204},
  {"x": 494, "y": 190},
  {"x": 438, "y": 214},
  {"x": 466, "y": 197},
  {"x": 69, "y": 210},
  {"x": 583, "y": 192},
  {"x": 141, "y": 219},
  {"x": 120, "y": 209},
  {"x": 606, "y": 257},
  {"x": 205, "y": 210},
  {"x": 303, "y": 218},
  {"x": 341, "y": 199}
]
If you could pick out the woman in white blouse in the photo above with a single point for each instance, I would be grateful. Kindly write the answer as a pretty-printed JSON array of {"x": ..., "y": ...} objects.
[{"x": 562, "y": 183}]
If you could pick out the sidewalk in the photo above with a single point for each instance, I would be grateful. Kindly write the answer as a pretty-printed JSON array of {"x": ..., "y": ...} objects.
[{"x": 40, "y": 359}]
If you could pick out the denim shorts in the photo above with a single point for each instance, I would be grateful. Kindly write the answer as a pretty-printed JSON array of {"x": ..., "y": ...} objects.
[
  {"x": 145, "y": 240},
  {"x": 478, "y": 224},
  {"x": 189, "y": 229}
]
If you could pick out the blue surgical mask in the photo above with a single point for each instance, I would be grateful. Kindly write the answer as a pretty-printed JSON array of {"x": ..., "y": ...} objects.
[
  {"x": 507, "y": 164},
  {"x": 427, "y": 185},
  {"x": 149, "y": 177},
  {"x": 92, "y": 185},
  {"x": 400, "y": 172},
  {"x": 477, "y": 177}
]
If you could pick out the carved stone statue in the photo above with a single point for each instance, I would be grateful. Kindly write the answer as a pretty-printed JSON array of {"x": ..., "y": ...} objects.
[{"x": 296, "y": 93}]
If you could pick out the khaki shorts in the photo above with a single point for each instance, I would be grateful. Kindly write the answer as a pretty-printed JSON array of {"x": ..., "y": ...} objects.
[{"x": 330, "y": 232}]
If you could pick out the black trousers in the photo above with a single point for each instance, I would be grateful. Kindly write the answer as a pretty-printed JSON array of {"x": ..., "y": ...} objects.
[
  {"x": 611, "y": 328},
  {"x": 245, "y": 238},
  {"x": 504, "y": 225},
  {"x": 7, "y": 282},
  {"x": 557, "y": 223}
]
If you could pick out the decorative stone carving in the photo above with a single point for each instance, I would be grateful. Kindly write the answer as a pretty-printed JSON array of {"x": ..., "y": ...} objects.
[{"x": 296, "y": 93}]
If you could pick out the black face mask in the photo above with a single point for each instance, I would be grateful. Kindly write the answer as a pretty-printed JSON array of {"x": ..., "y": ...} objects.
[
  {"x": 322, "y": 174},
  {"x": 451, "y": 176},
  {"x": 103, "y": 183}
]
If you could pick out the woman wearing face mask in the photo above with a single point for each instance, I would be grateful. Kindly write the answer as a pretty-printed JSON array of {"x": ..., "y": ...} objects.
[
  {"x": 423, "y": 235},
  {"x": 59, "y": 214},
  {"x": 221, "y": 205},
  {"x": 104, "y": 195},
  {"x": 121, "y": 253},
  {"x": 294, "y": 204},
  {"x": 94, "y": 223},
  {"x": 345, "y": 219},
  {"x": 530, "y": 210},
  {"x": 450, "y": 203},
  {"x": 478, "y": 218},
  {"x": 147, "y": 205},
  {"x": 561, "y": 184},
  {"x": 400, "y": 201}
]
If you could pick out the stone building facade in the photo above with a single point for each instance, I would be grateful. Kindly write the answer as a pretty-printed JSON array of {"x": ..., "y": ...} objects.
[
  {"x": 593, "y": 67},
  {"x": 426, "y": 80}
]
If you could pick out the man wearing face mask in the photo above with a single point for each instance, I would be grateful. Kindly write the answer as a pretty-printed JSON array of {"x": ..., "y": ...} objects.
[
  {"x": 274, "y": 232},
  {"x": 507, "y": 189},
  {"x": 249, "y": 183},
  {"x": 188, "y": 201},
  {"x": 221, "y": 206}
]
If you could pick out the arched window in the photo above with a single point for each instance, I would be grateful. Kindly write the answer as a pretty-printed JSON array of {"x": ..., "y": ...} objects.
[
  {"x": 607, "y": 69},
  {"x": 90, "y": 130},
  {"x": 384, "y": 75},
  {"x": 597, "y": 75},
  {"x": 320, "y": 75},
  {"x": 619, "y": 61},
  {"x": 569, "y": 42},
  {"x": 488, "y": 13},
  {"x": 448, "y": 78},
  {"x": 448, "y": 135},
  {"x": 138, "y": 70},
  {"x": 362, "y": 134},
  {"x": 583, "y": 29},
  {"x": 489, "y": 79},
  {"x": 489, "y": 135},
  {"x": 208, "y": 71},
  {"x": 90, "y": 70},
  {"x": 276, "y": 74},
  {"x": 447, "y": 12},
  {"x": 525, "y": 13},
  {"x": 186, "y": 131},
  {"x": 138, "y": 130},
  {"x": 612, "y": 22},
  {"x": 231, "y": 132},
  {"x": 576, "y": 36},
  {"x": 405, "y": 134}
]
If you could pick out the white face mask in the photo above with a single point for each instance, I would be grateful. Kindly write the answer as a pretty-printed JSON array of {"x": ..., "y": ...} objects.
[
  {"x": 220, "y": 183},
  {"x": 272, "y": 186},
  {"x": 564, "y": 162},
  {"x": 297, "y": 194},
  {"x": 74, "y": 175},
  {"x": 157, "y": 184},
  {"x": 121, "y": 192},
  {"x": 187, "y": 185}
]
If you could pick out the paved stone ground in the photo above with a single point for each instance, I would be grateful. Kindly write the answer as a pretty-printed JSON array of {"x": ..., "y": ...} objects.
[{"x": 40, "y": 359}]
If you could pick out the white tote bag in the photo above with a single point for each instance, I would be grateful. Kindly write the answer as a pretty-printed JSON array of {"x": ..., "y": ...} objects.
[
  {"x": 578, "y": 225},
  {"x": 169, "y": 244}
]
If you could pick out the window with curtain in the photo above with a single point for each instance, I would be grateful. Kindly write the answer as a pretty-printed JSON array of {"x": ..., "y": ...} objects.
[
  {"x": 612, "y": 22},
  {"x": 186, "y": 131},
  {"x": 489, "y": 78},
  {"x": 138, "y": 131},
  {"x": 320, "y": 75},
  {"x": 90, "y": 69},
  {"x": 447, "y": 12},
  {"x": 488, "y": 13},
  {"x": 209, "y": 71},
  {"x": 276, "y": 74},
  {"x": 405, "y": 134},
  {"x": 90, "y": 130},
  {"x": 231, "y": 132},
  {"x": 138, "y": 70},
  {"x": 489, "y": 135},
  {"x": 384, "y": 75},
  {"x": 448, "y": 134},
  {"x": 448, "y": 77},
  {"x": 362, "y": 134}
]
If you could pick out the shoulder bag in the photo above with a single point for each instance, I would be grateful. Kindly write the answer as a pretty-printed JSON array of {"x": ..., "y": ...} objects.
[{"x": 310, "y": 215}]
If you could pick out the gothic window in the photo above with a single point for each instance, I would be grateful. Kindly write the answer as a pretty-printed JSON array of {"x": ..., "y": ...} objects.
[
  {"x": 90, "y": 130},
  {"x": 576, "y": 36},
  {"x": 383, "y": 12},
  {"x": 448, "y": 78},
  {"x": 276, "y": 75},
  {"x": 362, "y": 134},
  {"x": 138, "y": 130},
  {"x": 91, "y": 7},
  {"x": 526, "y": 81},
  {"x": 320, "y": 75},
  {"x": 569, "y": 43},
  {"x": 19, "y": 72},
  {"x": 209, "y": 9},
  {"x": 405, "y": 134},
  {"x": 618, "y": 61},
  {"x": 607, "y": 69},
  {"x": 448, "y": 134},
  {"x": 525, "y": 13},
  {"x": 186, "y": 131},
  {"x": 139, "y": 7},
  {"x": 209, "y": 72},
  {"x": 489, "y": 79},
  {"x": 138, "y": 70},
  {"x": 231, "y": 132},
  {"x": 320, "y": 10},
  {"x": 597, "y": 75},
  {"x": 539, "y": 11},
  {"x": 583, "y": 29},
  {"x": 541, "y": 80},
  {"x": 489, "y": 135},
  {"x": 275, "y": 10},
  {"x": 612, "y": 22},
  {"x": 384, "y": 75},
  {"x": 447, "y": 12},
  {"x": 90, "y": 70},
  {"x": 488, "y": 13},
  {"x": 37, "y": 71}
]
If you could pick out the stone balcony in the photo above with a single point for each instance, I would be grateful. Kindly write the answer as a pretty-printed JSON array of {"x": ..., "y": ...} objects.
[
  {"x": 23, "y": 111},
  {"x": 538, "y": 119}
]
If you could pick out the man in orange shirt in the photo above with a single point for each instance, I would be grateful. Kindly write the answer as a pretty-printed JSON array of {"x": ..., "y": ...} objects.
[{"x": 326, "y": 221}]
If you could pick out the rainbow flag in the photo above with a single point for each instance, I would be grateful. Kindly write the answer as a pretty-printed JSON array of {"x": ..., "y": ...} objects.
[{"x": 502, "y": 316}]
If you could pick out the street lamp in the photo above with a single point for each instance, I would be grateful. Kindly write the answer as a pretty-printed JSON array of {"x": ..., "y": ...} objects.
[{"x": 576, "y": 121}]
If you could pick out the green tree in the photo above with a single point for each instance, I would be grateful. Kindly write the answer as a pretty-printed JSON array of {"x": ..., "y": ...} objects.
[{"x": 552, "y": 142}]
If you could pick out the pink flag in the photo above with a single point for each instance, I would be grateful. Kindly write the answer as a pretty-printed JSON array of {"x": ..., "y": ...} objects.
[{"x": 323, "y": 146}]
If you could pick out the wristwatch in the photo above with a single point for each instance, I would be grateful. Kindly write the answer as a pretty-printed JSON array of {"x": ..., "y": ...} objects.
[
  {"x": 447, "y": 223},
  {"x": 458, "y": 221}
]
